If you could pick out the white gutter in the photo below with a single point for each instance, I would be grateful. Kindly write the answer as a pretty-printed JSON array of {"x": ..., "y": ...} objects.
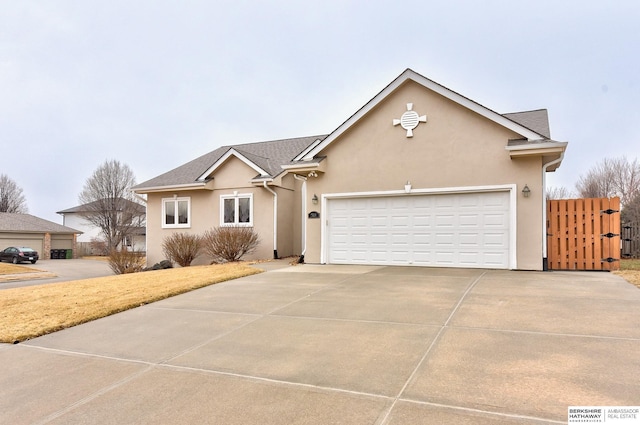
[
  {"x": 304, "y": 215},
  {"x": 544, "y": 208},
  {"x": 172, "y": 188},
  {"x": 275, "y": 220}
]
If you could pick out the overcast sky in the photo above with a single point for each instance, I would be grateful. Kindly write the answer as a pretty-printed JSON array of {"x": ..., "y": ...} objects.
[{"x": 156, "y": 83}]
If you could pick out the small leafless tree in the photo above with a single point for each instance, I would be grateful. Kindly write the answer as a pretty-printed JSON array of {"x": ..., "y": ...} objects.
[
  {"x": 109, "y": 203},
  {"x": 227, "y": 244},
  {"x": 123, "y": 261},
  {"x": 181, "y": 248},
  {"x": 559, "y": 193},
  {"x": 631, "y": 211},
  {"x": 11, "y": 198},
  {"x": 611, "y": 177}
]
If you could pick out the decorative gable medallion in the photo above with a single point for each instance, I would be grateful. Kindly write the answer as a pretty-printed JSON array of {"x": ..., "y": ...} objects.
[{"x": 410, "y": 120}]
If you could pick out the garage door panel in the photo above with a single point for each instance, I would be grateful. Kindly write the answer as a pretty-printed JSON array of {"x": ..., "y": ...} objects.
[
  {"x": 495, "y": 240},
  {"x": 495, "y": 220},
  {"x": 444, "y": 258},
  {"x": 445, "y": 220},
  {"x": 469, "y": 259},
  {"x": 470, "y": 240},
  {"x": 444, "y": 239},
  {"x": 451, "y": 230},
  {"x": 494, "y": 259},
  {"x": 422, "y": 239},
  {"x": 32, "y": 241}
]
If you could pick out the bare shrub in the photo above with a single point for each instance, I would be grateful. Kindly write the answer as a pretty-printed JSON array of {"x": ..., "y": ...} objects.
[
  {"x": 229, "y": 243},
  {"x": 181, "y": 248},
  {"x": 123, "y": 261},
  {"x": 98, "y": 247}
]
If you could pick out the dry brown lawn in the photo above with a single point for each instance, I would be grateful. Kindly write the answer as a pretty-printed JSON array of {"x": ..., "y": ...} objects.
[
  {"x": 630, "y": 271},
  {"x": 12, "y": 272},
  {"x": 37, "y": 310},
  {"x": 8, "y": 268}
]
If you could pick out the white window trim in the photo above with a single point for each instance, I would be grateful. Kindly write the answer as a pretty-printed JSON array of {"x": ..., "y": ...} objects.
[
  {"x": 175, "y": 200},
  {"x": 236, "y": 196}
]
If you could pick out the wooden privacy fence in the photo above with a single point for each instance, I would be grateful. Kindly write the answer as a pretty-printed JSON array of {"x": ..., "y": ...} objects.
[
  {"x": 630, "y": 234},
  {"x": 583, "y": 234}
]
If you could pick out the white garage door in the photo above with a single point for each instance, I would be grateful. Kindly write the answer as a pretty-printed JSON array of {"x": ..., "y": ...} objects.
[{"x": 450, "y": 230}]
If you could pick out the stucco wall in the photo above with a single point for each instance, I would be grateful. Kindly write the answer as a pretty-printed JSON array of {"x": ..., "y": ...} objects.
[
  {"x": 455, "y": 148},
  {"x": 232, "y": 176}
]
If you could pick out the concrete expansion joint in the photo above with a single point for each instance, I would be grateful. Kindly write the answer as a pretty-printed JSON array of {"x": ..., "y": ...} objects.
[
  {"x": 558, "y": 334},
  {"x": 93, "y": 396},
  {"x": 483, "y": 412},
  {"x": 436, "y": 339}
]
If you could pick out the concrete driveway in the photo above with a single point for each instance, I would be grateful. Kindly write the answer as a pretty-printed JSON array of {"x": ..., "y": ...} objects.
[
  {"x": 342, "y": 344},
  {"x": 63, "y": 270}
]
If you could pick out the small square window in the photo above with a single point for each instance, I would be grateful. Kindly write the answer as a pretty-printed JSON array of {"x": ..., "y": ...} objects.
[
  {"x": 176, "y": 212},
  {"x": 236, "y": 210}
]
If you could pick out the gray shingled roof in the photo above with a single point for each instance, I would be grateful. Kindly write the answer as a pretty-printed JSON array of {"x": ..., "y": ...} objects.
[
  {"x": 88, "y": 208},
  {"x": 27, "y": 223},
  {"x": 269, "y": 156},
  {"x": 272, "y": 155},
  {"x": 537, "y": 120}
]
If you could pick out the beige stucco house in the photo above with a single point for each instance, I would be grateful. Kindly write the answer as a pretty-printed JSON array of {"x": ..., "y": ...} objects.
[{"x": 420, "y": 175}]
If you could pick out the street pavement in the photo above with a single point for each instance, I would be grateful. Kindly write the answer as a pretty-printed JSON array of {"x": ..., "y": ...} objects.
[{"x": 53, "y": 271}]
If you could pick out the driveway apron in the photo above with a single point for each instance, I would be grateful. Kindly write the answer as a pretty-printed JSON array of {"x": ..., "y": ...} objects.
[{"x": 314, "y": 344}]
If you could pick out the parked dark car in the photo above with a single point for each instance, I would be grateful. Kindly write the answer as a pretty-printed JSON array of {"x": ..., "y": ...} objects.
[{"x": 19, "y": 254}]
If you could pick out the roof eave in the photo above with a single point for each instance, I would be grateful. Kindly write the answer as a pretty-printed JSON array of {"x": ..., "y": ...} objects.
[
  {"x": 231, "y": 152},
  {"x": 536, "y": 149},
  {"x": 205, "y": 185},
  {"x": 548, "y": 151},
  {"x": 317, "y": 164}
]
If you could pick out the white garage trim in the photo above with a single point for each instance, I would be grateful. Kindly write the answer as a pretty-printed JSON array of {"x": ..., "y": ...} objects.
[{"x": 509, "y": 188}]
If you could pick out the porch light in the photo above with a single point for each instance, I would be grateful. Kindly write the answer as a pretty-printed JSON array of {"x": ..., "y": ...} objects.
[
  {"x": 314, "y": 199},
  {"x": 526, "y": 191}
]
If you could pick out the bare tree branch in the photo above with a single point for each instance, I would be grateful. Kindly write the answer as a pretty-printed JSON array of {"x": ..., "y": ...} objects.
[
  {"x": 109, "y": 203},
  {"x": 559, "y": 193},
  {"x": 11, "y": 198},
  {"x": 611, "y": 177}
]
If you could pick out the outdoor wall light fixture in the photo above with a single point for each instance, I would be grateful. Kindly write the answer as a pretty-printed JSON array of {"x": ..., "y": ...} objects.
[
  {"x": 526, "y": 191},
  {"x": 314, "y": 199}
]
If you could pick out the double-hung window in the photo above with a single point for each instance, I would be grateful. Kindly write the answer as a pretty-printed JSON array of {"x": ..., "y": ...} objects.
[
  {"x": 236, "y": 210},
  {"x": 176, "y": 212}
]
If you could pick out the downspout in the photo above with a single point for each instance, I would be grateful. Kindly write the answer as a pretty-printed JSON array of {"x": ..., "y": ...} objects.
[
  {"x": 545, "y": 263},
  {"x": 304, "y": 215},
  {"x": 275, "y": 220}
]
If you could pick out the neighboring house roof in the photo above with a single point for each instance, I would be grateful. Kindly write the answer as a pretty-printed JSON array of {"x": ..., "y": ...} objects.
[
  {"x": 265, "y": 156},
  {"x": 537, "y": 120},
  {"x": 27, "y": 223},
  {"x": 91, "y": 207}
]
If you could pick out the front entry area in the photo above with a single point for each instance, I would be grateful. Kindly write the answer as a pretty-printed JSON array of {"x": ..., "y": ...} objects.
[{"x": 438, "y": 230}]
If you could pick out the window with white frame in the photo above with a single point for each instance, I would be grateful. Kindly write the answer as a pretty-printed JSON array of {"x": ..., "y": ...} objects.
[
  {"x": 176, "y": 212},
  {"x": 236, "y": 210}
]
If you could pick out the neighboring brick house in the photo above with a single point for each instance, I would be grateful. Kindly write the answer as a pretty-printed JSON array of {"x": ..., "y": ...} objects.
[{"x": 26, "y": 230}]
